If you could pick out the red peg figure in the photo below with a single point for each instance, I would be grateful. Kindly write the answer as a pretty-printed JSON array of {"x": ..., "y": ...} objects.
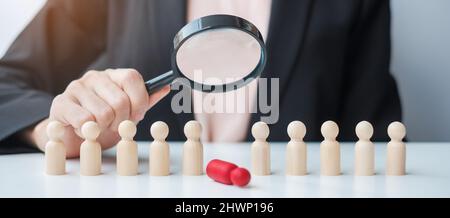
[
  {"x": 227, "y": 173},
  {"x": 240, "y": 177}
]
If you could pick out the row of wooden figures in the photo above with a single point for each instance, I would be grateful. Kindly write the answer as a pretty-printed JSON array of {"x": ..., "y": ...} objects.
[
  {"x": 330, "y": 159},
  {"x": 127, "y": 150},
  {"x": 159, "y": 159}
]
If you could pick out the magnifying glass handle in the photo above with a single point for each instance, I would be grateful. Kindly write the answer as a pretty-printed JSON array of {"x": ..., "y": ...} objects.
[{"x": 159, "y": 82}]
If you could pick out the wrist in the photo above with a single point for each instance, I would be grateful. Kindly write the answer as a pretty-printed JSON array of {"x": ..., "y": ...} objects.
[{"x": 35, "y": 134}]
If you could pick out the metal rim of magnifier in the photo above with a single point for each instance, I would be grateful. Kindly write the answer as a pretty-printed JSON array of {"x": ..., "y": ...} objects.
[{"x": 218, "y": 22}]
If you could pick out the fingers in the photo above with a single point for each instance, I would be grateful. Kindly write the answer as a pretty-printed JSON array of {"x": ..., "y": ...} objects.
[
  {"x": 65, "y": 110},
  {"x": 112, "y": 94},
  {"x": 88, "y": 100},
  {"x": 132, "y": 83},
  {"x": 107, "y": 97}
]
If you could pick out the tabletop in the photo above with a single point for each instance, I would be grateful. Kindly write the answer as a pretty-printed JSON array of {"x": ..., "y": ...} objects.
[{"x": 427, "y": 164}]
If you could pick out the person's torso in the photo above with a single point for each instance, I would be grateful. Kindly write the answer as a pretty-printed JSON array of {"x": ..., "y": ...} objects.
[{"x": 304, "y": 44}]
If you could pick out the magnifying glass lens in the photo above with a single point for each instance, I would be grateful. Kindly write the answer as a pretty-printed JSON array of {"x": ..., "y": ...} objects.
[
  {"x": 216, "y": 53},
  {"x": 218, "y": 56}
]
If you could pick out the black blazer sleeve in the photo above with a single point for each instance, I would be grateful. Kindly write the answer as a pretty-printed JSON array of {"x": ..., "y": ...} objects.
[
  {"x": 55, "y": 48},
  {"x": 370, "y": 92}
]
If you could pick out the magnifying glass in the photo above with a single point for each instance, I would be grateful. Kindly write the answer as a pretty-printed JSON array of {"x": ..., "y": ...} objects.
[{"x": 216, "y": 53}]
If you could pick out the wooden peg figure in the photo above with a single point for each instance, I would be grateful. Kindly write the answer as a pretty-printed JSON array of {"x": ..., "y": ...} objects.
[
  {"x": 90, "y": 150},
  {"x": 296, "y": 150},
  {"x": 260, "y": 150},
  {"x": 127, "y": 150},
  {"x": 364, "y": 150},
  {"x": 193, "y": 149},
  {"x": 159, "y": 150},
  {"x": 330, "y": 152},
  {"x": 55, "y": 151},
  {"x": 396, "y": 150}
]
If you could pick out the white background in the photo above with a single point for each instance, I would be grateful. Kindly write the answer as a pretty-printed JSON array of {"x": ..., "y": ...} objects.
[{"x": 421, "y": 59}]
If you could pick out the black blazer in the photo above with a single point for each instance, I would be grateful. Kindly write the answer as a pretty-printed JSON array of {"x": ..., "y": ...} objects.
[{"x": 332, "y": 58}]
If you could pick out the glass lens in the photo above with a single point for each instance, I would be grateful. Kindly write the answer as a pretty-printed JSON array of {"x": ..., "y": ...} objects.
[{"x": 218, "y": 56}]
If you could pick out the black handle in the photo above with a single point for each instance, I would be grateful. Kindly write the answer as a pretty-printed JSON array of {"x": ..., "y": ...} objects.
[{"x": 159, "y": 82}]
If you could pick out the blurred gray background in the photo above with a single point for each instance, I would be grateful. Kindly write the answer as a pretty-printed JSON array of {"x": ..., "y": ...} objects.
[
  {"x": 421, "y": 64},
  {"x": 420, "y": 59}
]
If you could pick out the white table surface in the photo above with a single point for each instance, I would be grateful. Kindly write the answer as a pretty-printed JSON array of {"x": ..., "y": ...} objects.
[{"x": 428, "y": 175}]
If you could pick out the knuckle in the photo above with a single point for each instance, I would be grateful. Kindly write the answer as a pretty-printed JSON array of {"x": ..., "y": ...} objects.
[
  {"x": 132, "y": 75},
  {"x": 57, "y": 103},
  {"x": 58, "y": 99},
  {"x": 74, "y": 85},
  {"x": 90, "y": 73},
  {"x": 105, "y": 115},
  {"x": 121, "y": 102}
]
